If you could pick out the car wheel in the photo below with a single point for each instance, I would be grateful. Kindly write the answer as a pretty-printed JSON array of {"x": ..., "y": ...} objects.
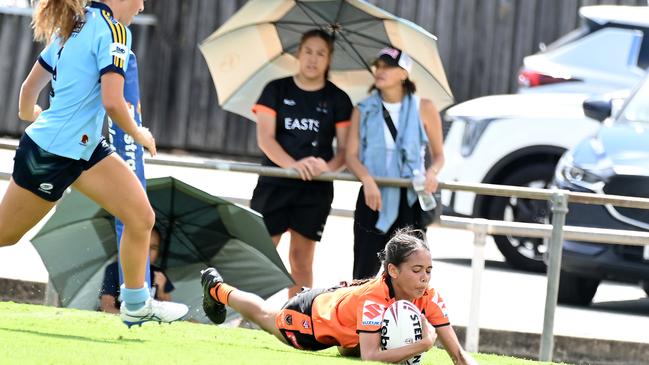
[
  {"x": 576, "y": 290},
  {"x": 524, "y": 253}
]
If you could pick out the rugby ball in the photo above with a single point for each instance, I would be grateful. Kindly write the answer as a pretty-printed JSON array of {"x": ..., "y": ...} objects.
[{"x": 401, "y": 325}]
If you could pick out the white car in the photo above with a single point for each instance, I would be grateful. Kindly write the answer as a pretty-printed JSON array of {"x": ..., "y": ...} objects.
[
  {"x": 608, "y": 52},
  {"x": 512, "y": 140}
]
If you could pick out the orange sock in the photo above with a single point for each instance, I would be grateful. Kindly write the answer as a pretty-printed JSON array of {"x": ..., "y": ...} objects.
[{"x": 221, "y": 292}]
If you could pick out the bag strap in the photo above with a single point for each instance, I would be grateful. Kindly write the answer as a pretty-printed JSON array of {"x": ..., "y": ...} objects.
[{"x": 389, "y": 122}]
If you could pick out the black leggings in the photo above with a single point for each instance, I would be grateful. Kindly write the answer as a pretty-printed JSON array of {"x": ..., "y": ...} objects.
[{"x": 368, "y": 240}]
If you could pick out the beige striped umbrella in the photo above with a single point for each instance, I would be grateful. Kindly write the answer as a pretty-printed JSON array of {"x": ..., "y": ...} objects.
[{"x": 260, "y": 41}]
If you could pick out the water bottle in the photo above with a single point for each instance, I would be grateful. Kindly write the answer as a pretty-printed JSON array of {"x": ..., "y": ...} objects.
[{"x": 426, "y": 200}]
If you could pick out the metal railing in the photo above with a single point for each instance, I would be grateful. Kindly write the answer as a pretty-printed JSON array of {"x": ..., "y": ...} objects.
[
  {"x": 559, "y": 200},
  {"x": 481, "y": 227}
]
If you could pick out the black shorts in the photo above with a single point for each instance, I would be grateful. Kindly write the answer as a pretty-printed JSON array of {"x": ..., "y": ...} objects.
[
  {"x": 294, "y": 321},
  {"x": 303, "y": 209},
  {"x": 48, "y": 175}
]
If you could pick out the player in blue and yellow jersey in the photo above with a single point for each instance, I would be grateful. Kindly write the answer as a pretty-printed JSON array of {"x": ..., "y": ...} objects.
[{"x": 85, "y": 60}]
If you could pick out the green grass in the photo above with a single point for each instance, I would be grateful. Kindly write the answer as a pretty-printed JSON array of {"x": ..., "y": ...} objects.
[{"x": 31, "y": 334}]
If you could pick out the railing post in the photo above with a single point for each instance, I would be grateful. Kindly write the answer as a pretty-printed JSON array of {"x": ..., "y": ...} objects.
[
  {"x": 472, "y": 340},
  {"x": 51, "y": 297},
  {"x": 559, "y": 211}
]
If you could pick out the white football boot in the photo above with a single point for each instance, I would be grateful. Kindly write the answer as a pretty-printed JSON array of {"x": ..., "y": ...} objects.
[{"x": 153, "y": 310}]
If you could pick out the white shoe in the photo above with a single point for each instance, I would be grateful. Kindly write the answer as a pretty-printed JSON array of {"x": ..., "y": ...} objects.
[{"x": 153, "y": 310}]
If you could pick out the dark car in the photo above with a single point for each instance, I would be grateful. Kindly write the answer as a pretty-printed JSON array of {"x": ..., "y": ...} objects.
[{"x": 613, "y": 161}]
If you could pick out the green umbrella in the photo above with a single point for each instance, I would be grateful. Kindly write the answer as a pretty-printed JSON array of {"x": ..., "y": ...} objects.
[{"x": 197, "y": 230}]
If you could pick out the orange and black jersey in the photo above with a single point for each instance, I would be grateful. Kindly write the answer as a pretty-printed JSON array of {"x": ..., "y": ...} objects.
[{"x": 339, "y": 315}]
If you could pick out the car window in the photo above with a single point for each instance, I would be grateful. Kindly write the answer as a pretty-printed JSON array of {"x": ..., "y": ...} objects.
[
  {"x": 570, "y": 37},
  {"x": 637, "y": 109},
  {"x": 643, "y": 57}
]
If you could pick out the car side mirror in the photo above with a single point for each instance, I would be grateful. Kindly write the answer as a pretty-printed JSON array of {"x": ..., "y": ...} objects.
[{"x": 598, "y": 108}]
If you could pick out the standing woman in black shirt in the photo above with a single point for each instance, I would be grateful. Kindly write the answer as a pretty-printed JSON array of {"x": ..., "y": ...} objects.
[{"x": 298, "y": 118}]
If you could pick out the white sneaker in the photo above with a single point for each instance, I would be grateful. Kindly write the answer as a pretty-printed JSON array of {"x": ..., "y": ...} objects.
[{"x": 153, "y": 310}]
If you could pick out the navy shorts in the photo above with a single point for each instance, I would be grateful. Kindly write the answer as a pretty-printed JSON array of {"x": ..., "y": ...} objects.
[
  {"x": 48, "y": 175},
  {"x": 303, "y": 209}
]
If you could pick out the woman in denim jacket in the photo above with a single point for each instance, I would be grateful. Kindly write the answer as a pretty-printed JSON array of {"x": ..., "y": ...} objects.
[{"x": 373, "y": 151}]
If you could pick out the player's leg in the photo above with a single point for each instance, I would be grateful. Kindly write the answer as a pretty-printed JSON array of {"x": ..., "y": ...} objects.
[
  {"x": 111, "y": 184},
  {"x": 38, "y": 180},
  {"x": 300, "y": 256},
  {"x": 217, "y": 294},
  {"x": 308, "y": 217},
  {"x": 20, "y": 210}
]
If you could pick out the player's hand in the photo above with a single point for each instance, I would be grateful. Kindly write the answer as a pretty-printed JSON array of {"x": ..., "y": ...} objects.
[
  {"x": 431, "y": 181},
  {"x": 429, "y": 336},
  {"x": 372, "y": 194},
  {"x": 306, "y": 167},
  {"x": 321, "y": 166},
  {"x": 159, "y": 279},
  {"x": 145, "y": 138}
]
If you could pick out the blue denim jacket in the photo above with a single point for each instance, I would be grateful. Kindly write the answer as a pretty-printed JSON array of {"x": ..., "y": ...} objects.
[{"x": 406, "y": 158}]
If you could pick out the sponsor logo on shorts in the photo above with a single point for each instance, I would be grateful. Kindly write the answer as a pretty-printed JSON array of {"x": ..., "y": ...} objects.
[
  {"x": 372, "y": 313},
  {"x": 305, "y": 324},
  {"x": 46, "y": 187},
  {"x": 288, "y": 319},
  {"x": 84, "y": 140}
]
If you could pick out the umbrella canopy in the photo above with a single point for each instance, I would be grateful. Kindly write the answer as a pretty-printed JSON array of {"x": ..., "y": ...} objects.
[
  {"x": 197, "y": 230},
  {"x": 260, "y": 41}
]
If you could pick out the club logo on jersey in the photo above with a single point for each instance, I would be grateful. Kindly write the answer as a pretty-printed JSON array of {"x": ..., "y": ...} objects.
[
  {"x": 84, "y": 140},
  {"x": 118, "y": 50},
  {"x": 303, "y": 124},
  {"x": 372, "y": 313},
  {"x": 289, "y": 102},
  {"x": 322, "y": 107},
  {"x": 439, "y": 302}
]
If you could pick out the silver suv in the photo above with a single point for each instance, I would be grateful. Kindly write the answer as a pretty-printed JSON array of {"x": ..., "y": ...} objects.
[{"x": 608, "y": 52}]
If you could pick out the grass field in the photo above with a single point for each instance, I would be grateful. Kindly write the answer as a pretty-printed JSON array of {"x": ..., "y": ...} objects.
[{"x": 31, "y": 334}]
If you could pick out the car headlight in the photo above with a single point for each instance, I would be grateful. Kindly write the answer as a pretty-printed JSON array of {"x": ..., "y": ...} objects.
[
  {"x": 473, "y": 130},
  {"x": 568, "y": 172}
]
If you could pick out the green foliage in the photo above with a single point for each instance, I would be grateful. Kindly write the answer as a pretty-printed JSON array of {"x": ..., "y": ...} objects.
[{"x": 31, "y": 334}]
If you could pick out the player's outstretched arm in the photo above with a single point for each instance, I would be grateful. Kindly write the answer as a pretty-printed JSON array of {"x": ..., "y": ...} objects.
[{"x": 449, "y": 340}]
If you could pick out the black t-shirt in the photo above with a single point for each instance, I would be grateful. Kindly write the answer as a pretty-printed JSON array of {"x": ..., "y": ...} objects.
[{"x": 305, "y": 120}]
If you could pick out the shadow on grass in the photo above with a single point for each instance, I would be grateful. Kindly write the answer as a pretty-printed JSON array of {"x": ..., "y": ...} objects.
[
  {"x": 328, "y": 353},
  {"x": 70, "y": 337}
]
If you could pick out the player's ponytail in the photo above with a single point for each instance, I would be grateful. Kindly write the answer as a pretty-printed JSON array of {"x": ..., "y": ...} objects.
[
  {"x": 56, "y": 16},
  {"x": 403, "y": 243}
]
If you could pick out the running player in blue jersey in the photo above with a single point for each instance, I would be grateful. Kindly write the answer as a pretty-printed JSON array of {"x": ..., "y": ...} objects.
[{"x": 85, "y": 60}]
